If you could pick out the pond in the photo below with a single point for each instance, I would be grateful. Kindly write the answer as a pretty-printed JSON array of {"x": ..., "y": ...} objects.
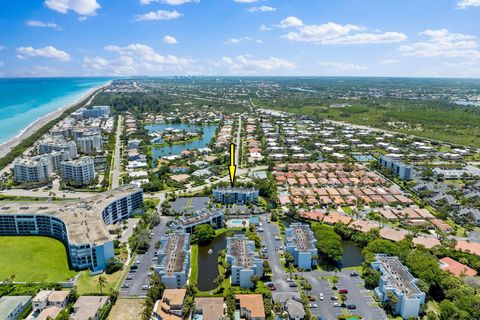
[
  {"x": 352, "y": 255},
  {"x": 158, "y": 152},
  {"x": 208, "y": 263}
]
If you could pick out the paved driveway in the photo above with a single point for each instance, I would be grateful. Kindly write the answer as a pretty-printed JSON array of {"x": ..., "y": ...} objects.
[
  {"x": 140, "y": 277},
  {"x": 279, "y": 275}
]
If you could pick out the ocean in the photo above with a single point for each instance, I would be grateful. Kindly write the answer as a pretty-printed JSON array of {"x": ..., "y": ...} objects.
[{"x": 24, "y": 100}]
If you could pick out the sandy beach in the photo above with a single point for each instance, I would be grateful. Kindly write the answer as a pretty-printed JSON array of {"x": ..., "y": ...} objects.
[{"x": 39, "y": 123}]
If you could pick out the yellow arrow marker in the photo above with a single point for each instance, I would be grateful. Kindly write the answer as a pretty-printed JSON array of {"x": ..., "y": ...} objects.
[{"x": 233, "y": 167}]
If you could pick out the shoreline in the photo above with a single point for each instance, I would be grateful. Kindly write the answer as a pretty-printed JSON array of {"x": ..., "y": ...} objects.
[{"x": 33, "y": 127}]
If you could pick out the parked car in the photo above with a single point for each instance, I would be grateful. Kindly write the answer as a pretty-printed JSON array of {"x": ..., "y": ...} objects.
[
  {"x": 321, "y": 296},
  {"x": 337, "y": 304},
  {"x": 354, "y": 274},
  {"x": 129, "y": 278},
  {"x": 351, "y": 306},
  {"x": 343, "y": 291},
  {"x": 313, "y": 305},
  {"x": 145, "y": 287},
  {"x": 333, "y": 298},
  {"x": 271, "y": 286},
  {"x": 292, "y": 285},
  {"x": 125, "y": 285}
]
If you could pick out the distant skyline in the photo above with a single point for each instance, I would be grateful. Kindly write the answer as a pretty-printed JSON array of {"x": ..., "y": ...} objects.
[{"x": 398, "y": 38}]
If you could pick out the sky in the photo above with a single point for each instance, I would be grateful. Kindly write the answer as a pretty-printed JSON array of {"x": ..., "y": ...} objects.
[{"x": 405, "y": 38}]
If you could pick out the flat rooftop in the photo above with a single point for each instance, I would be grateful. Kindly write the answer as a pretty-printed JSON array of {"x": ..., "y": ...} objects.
[
  {"x": 302, "y": 238},
  {"x": 241, "y": 252},
  {"x": 398, "y": 276},
  {"x": 175, "y": 255},
  {"x": 234, "y": 190},
  {"x": 83, "y": 218}
]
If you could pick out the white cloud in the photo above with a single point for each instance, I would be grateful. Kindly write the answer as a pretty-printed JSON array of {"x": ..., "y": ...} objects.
[
  {"x": 291, "y": 22},
  {"x": 342, "y": 65},
  {"x": 464, "y": 4},
  {"x": 442, "y": 43},
  {"x": 170, "y": 2},
  {"x": 336, "y": 34},
  {"x": 158, "y": 15},
  {"x": 389, "y": 61},
  {"x": 170, "y": 40},
  {"x": 264, "y": 28},
  {"x": 41, "y": 24},
  {"x": 1, "y": 48},
  {"x": 46, "y": 52},
  {"x": 136, "y": 59},
  {"x": 262, "y": 9},
  {"x": 245, "y": 64},
  {"x": 247, "y": 1},
  {"x": 82, "y": 7},
  {"x": 237, "y": 40}
]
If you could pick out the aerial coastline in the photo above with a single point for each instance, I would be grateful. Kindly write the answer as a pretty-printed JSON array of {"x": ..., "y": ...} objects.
[{"x": 37, "y": 124}]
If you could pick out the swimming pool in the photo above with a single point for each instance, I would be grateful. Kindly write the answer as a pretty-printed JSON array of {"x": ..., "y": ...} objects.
[{"x": 237, "y": 223}]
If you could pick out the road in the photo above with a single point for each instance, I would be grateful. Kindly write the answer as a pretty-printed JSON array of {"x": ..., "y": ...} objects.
[
  {"x": 140, "y": 277},
  {"x": 117, "y": 156},
  {"x": 279, "y": 275}
]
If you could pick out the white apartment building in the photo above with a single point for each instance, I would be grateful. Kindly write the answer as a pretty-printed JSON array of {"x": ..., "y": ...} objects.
[
  {"x": 78, "y": 172},
  {"x": 50, "y": 145},
  {"x": 90, "y": 144},
  {"x": 37, "y": 169}
]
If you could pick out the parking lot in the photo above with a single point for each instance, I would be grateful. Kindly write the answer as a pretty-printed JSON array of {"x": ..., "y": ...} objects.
[
  {"x": 325, "y": 310},
  {"x": 136, "y": 282}
]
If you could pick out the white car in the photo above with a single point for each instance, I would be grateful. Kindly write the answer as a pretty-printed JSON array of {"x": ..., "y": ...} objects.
[
  {"x": 313, "y": 305},
  {"x": 321, "y": 296},
  {"x": 336, "y": 304},
  {"x": 145, "y": 287}
]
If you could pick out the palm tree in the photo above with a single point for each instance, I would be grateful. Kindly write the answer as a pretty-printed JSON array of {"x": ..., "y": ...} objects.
[
  {"x": 392, "y": 302},
  {"x": 102, "y": 282}
]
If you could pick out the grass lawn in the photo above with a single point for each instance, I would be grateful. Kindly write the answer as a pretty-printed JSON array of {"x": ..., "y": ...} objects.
[
  {"x": 88, "y": 284},
  {"x": 193, "y": 264},
  {"x": 127, "y": 309},
  {"x": 32, "y": 258}
]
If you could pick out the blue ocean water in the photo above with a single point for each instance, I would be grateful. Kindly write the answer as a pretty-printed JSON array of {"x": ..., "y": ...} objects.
[{"x": 24, "y": 100}]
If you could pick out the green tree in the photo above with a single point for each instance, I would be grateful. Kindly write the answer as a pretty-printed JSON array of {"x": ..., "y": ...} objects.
[
  {"x": 204, "y": 234},
  {"x": 102, "y": 282}
]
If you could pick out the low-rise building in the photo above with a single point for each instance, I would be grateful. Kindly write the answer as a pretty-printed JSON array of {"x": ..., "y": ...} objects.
[
  {"x": 250, "y": 306},
  {"x": 49, "y": 298},
  {"x": 294, "y": 309},
  {"x": 456, "y": 268},
  {"x": 213, "y": 217},
  {"x": 399, "y": 169},
  {"x": 11, "y": 307},
  {"x": 245, "y": 262},
  {"x": 174, "y": 260},
  {"x": 78, "y": 172},
  {"x": 300, "y": 242},
  {"x": 209, "y": 309},
  {"x": 235, "y": 195},
  {"x": 88, "y": 307},
  {"x": 396, "y": 279},
  {"x": 170, "y": 306}
]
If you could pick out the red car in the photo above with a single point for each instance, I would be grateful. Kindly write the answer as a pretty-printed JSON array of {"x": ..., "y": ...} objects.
[{"x": 343, "y": 291}]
